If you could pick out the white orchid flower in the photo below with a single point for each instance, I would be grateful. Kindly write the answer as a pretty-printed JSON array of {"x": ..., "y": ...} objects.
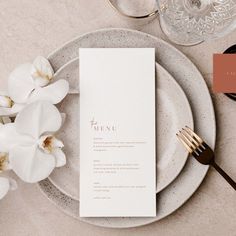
[
  {"x": 6, "y": 184},
  {"x": 33, "y": 149},
  {"x": 29, "y": 83}
]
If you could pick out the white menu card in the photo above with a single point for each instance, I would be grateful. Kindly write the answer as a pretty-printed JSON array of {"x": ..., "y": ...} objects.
[{"x": 117, "y": 132}]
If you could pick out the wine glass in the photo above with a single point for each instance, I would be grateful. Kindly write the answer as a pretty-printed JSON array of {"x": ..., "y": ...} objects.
[{"x": 189, "y": 22}]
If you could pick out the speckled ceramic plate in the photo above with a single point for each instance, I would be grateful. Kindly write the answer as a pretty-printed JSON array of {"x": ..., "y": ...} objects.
[
  {"x": 173, "y": 112},
  {"x": 191, "y": 81}
]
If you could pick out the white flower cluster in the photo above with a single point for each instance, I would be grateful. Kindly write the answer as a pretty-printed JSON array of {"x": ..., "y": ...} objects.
[{"x": 28, "y": 146}]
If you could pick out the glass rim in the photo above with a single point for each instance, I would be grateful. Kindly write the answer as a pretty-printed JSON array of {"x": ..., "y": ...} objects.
[{"x": 153, "y": 13}]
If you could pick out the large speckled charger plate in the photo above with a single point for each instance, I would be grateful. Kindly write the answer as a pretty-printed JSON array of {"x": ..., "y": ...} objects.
[{"x": 187, "y": 75}]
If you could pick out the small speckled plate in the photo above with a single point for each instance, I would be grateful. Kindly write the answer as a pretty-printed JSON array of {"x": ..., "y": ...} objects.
[
  {"x": 173, "y": 113},
  {"x": 194, "y": 86}
]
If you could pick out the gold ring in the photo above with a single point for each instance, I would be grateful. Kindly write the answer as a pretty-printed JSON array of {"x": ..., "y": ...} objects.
[{"x": 130, "y": 16}]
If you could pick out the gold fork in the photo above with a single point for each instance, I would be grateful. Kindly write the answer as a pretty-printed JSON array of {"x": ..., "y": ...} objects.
[{"x": 201, "y": 151}]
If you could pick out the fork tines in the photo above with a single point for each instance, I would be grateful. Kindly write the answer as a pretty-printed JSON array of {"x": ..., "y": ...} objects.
[
  {"x": 192, "y": 142},
  {"x": 201, "y": 151}
]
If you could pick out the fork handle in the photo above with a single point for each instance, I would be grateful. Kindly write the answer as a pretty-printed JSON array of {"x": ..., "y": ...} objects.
[{"x": 226, "y": 177}]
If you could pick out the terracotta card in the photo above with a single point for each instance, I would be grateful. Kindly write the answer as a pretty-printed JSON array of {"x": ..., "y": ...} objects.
[{"x": 224, "y": 73}]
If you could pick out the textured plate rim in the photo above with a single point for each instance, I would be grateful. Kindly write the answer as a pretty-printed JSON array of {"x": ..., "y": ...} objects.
[{"x": 204, "y": 84}]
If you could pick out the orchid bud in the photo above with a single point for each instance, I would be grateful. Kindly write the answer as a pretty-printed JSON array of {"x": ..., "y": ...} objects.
[{"x": 5, "y": 101}]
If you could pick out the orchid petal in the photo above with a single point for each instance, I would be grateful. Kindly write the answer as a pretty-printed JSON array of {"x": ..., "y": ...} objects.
[
  {"x": 4, "y": 187},
  {"x": 41, "y": 71},
  {"x": 9, "y": 137},
  {"x": 37, "y": 118},
  {"x": 59, "y": 156},
  {"x": 53, "y": 93},
  {"x": 20, "y": 83},
  {"x": 56, "y": 143},
  {"x": 4, "y": 111},
  {"x": 30, "y": 163}
]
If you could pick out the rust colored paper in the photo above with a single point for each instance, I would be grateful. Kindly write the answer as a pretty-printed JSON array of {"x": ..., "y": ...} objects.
[{"x": 224, "y": 73}]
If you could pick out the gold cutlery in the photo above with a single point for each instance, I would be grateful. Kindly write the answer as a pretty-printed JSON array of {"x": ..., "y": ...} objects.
[{"x": 201, "y": 151}]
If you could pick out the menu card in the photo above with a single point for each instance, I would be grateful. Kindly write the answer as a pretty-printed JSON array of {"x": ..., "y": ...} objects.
[{"x": 117, "y": 132}]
